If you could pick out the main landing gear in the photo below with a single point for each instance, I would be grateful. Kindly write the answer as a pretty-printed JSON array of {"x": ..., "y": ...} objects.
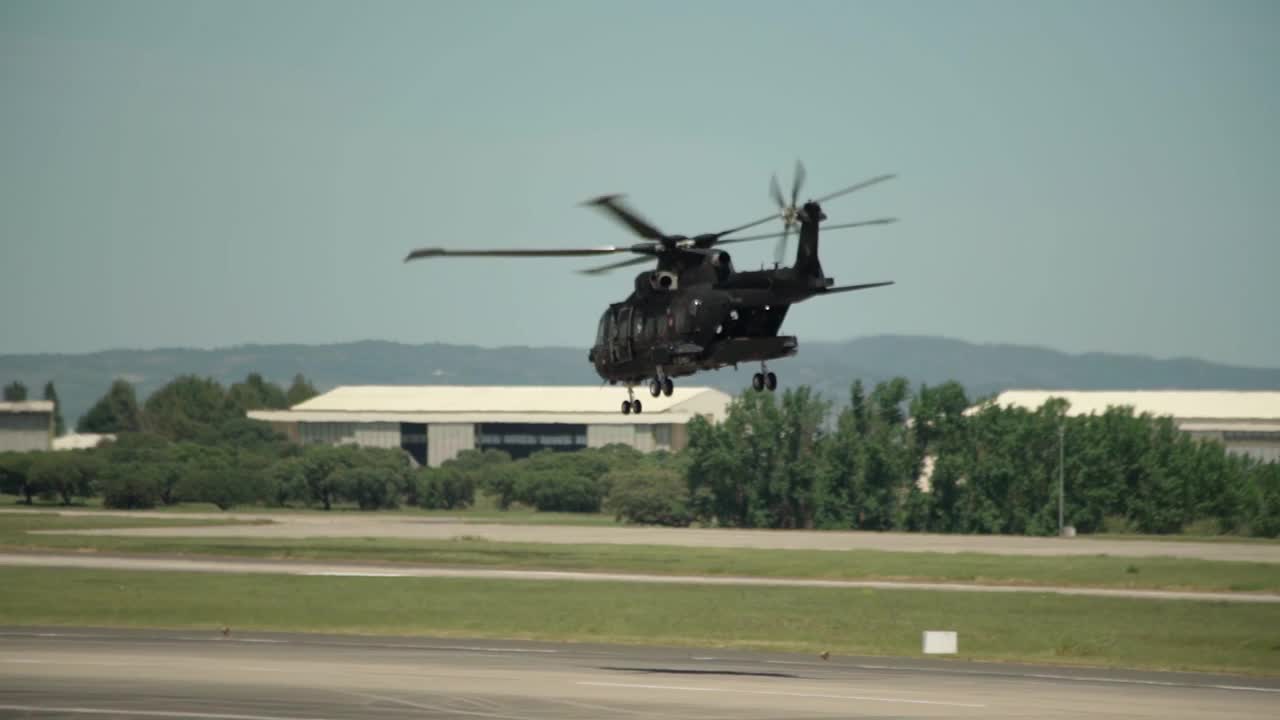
[
  {"x": 631, "y": 404},
  {"x": 661, "y": 385},
  {"x": 764, "y": 380}
]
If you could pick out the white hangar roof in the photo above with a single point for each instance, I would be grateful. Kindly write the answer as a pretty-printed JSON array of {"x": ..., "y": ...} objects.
[
  {"x": 27, "y": 406},
  {"x": 514, "y": 404},
  {"x": 1207, "y": 406}
]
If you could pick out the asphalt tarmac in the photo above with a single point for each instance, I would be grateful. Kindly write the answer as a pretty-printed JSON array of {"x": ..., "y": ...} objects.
[
  {"x": 408, "y": 526},
  {"x": 74, "y": 673}
]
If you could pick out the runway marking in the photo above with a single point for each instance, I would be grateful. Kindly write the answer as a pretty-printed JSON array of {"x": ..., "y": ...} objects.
[
  {"x": 352, "y": 573},
  {"x": 120, "y": 712},
  {"x": 1037, "y": 676},
  {"x": 1246, "y": 688},
  {"x": 435, "y": 708},
  {"x": 782, "y": 693}
]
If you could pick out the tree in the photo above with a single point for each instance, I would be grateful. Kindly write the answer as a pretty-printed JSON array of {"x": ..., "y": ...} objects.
[
  {"x": 15, "y": 392},
  {"x": 130, "y": 486},
  {"x": 115, "y": 412},
  {"x": 649, "y": 494},
  {"x": 50, "y": 394},
  {"x": 762, "y": 466},
  {"x": 213, "y": 475},
  {"x": 63, "y": 475},
  {"x": 1265, "y": 521},
  {"x": 15, "y": 469},
  {"x": 188, "y": 408},
  {"x": 255, "y": 393},
  {"x": 300, "y": 391}
]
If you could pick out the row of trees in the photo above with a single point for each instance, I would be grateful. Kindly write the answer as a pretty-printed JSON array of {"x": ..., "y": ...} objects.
[
  {"x": 140, "y": 471},
  {"x": 189, "y": 407},
  {"x": 895, "y": 459}
]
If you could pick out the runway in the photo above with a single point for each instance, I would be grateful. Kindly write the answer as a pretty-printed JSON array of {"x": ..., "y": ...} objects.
[
  {"x": 63, "y": 673},
  {"x": 98, "y": 561},
  {"x": 409, "y": 526}
]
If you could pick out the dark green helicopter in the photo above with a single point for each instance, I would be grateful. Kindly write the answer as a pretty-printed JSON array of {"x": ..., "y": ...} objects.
[{"x": 694, "y": 311}]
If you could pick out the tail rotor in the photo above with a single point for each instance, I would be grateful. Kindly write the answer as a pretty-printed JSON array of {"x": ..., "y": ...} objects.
[{"x": 790, "y": 213}]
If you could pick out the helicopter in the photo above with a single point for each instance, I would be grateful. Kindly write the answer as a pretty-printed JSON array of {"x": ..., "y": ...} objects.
[{"x": 695, "y": 311}]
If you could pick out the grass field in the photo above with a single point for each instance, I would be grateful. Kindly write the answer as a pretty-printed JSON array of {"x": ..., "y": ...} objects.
[
  {"x": 1091, "y": 571},
  {"x": 15, "y": 526},
  {"x": 1035, "y": 628},
  {"x": 485, "y": 511}
]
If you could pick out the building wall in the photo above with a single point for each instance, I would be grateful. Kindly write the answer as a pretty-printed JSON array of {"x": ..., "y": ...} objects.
[
  {"x": 1261, "y": 445},
  {"x": 679, "y": 437},
  {"x": 445, "y": 441},
  {"x": 601, "y": 435},
  {"x": 26, "y": 431},
  {"x": 378, "y": 435}
]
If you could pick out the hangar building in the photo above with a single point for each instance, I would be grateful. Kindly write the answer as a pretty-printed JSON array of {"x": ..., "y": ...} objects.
[
  {"x": 26, "y": 425},
  {"x": 434, "y": 423},
  {"x": 1247, "y": 422}
]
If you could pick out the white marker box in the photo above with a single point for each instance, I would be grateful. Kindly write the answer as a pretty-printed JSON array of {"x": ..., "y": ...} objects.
[{"x": 940, "y": 642}]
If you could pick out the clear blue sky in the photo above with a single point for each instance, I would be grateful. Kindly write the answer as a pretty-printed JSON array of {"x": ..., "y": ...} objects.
[{"x": 1082, "y": 175}]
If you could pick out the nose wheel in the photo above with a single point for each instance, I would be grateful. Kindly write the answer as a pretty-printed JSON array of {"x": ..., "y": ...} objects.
[{"x": 631, "y": 404}]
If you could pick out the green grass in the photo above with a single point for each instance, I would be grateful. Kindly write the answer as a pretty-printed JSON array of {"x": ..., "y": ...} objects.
[
  {"x": 1090, "y": 571},
  {"x": 1026, "y": 628},
  {"x": 485, "y": 511},
  {"x": 14, "y": 527}
]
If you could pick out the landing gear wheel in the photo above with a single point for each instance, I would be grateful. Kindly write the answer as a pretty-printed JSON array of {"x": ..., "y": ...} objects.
[
  {"x": 771, "y": 382},
  {"x": 668, "y": 387},
  {"x": 635, "y": 405},
  {"x": 626, "y": 407},
  {"x": 757, "y": 382},
  {"x": 655, "y": 387}
]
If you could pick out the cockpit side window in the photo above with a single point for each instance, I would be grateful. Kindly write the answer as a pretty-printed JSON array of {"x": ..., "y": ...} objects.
[{"x": 602, "y": 333}]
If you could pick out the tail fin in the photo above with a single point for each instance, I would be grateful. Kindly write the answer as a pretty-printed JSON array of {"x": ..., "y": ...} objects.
[{"x": 807, "y": 252}]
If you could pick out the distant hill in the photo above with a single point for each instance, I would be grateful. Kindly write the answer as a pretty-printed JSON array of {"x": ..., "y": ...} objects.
[{"x": 829, "y": 366}]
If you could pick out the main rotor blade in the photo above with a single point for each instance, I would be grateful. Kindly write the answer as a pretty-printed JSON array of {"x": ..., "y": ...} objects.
[
  {"x": 780, "y": 251},
  {"x": 851, "y": 288},
  {"x": 614, "y": 266},
  {"x": 432, "y": 252},
  {"x": 613, "y": 206},
  {"x": 852, "y": 188},
  {"x": 842, "y": 226}
]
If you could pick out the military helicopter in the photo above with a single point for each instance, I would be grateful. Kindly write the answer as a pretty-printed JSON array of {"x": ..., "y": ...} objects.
[{"x": 694, "y": 311}]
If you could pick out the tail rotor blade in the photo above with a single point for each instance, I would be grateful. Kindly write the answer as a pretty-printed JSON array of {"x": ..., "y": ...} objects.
[
  {"x": 776, "y": 192},
  {"x": 797, "y": 183}
]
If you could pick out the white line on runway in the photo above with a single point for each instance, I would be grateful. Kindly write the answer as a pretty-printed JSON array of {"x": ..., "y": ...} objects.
[
  {"x": 121, "y": 712},
  {"x": 782, "y": 693},
  {"x": 353, "y": 573},
  {"x": 1037, "y": 676}
]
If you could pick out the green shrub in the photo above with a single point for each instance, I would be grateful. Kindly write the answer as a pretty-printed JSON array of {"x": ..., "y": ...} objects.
[{"x": 649, "y": 495}]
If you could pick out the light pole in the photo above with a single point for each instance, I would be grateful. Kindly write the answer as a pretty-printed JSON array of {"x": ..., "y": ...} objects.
[{"x": 1062, "y": 427}]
